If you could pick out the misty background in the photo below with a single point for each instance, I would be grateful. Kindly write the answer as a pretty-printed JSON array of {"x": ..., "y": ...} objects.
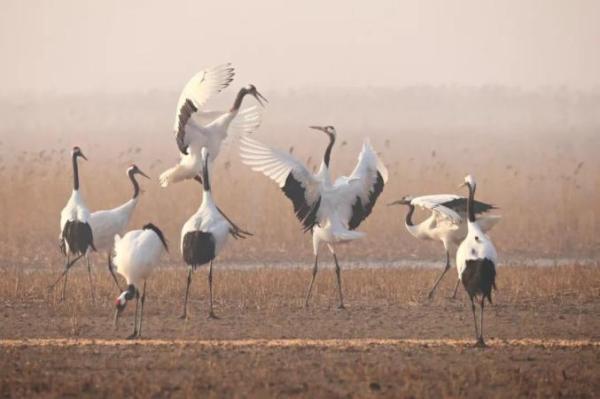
[{"x": 508, "y": 91}]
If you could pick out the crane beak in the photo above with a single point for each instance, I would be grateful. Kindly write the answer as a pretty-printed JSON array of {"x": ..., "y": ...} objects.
[
  {"x": 462, "y": 185},
  {"x": 402, "y": 201},
  {"x": 143, "y": 174},
  {"x": 317, "y": 128},
  {"x": 260, "y": 98},
  {"x": 83, "y": 156}
]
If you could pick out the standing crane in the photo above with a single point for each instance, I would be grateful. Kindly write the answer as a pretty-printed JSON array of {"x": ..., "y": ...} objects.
[
  {"x": 439, "y": 227},
  {"x": 204, "y": 235},
  {"x": 76, "y": 237},
  {"x": 331, "y": 211},
  {"x": 196, "y": 128},
  {"x": 107, "y": 223},
  {"x": 136, "y": 255},
  {"x": 476, "y": 261}
]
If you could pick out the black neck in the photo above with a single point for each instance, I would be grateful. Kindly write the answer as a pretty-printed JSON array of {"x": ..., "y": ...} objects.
[
  {"x": 411, "y": 210},
  {"x": 238, "y": 100},
  {"x": 75, "y": 173},
  {"x": 470, "y": 207},
  {"x": 136, "y": 186},
  {"x": 205, "y": 181},
  {"x": 327, "y": 156}
]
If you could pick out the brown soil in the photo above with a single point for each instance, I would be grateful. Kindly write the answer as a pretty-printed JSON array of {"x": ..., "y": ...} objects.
[{"x": 543, "y": 335}]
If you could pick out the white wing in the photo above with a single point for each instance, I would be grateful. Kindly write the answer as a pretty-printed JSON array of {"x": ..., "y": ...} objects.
[
  {"x": 359, "y": 192},
  {"x": 195, "y": 93},
  {"x": 432, "y": 201},
  {"x": 297, "y": 183},
  {"x": 203, "y": 86},
  {"x": 203, "y": 118},
  {"x": 247, "y": 121}
]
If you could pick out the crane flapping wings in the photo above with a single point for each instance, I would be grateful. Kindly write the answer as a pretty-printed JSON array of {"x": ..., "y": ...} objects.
[
  {"x": 360, "y": 190},
  {"x": 450, "y": 206},
  {"x": 196, "y": 93},
  {"x": 294, "y": 179}
]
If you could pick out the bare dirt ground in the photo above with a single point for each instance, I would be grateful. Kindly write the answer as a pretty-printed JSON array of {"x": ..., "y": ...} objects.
[{"x": 543, "y": 334}]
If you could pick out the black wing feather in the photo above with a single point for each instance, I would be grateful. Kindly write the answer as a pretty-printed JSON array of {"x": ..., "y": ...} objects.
[
  {"x": 479, "y": 277},
  {"x": 185, "y": 113},
  {"x": 361, "y": 211},
  {"x": 79, "y": 237},
  {"x": 306, "y": 213},
  {"x": 198, "y": 248},
  {"x": 459, "y": 205}
]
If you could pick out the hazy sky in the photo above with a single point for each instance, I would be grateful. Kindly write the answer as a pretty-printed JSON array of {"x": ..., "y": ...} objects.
[{"x": 113, "y": 45}]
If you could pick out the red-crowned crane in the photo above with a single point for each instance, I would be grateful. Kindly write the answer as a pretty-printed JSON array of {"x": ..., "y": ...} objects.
[
  {"x": 196, "y": 128},
  {"x": 204, "y": 235},
  {"x": 476, "y": 261},
  {"x": 76, "y": 237},
  {"x": 107, "y": 223},
  {"x": 330, "y": 210},
  {"x": 439, "y": 227},
  {"x": 136, "y": 255}
]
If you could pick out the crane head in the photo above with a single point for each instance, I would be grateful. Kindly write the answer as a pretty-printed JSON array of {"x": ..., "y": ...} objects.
[
  {"x": 76, "y": 152},
  {"x": 121, "y": 301},
  {"x": 251, "y": 89},
  {"x": 469, "y": 182},
  {"x": 328, "y": 130},
  {"x": 134, "y": 170},
  {"x": 406, "y": 200}
]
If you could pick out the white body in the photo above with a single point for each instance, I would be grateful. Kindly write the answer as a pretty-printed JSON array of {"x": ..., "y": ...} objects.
[
  {"x": 75, "y": 210},
  {"x": 209, "y": 220},
  {"x": 335, "y": 210},
  {"x": 439, "y": 228},
  {"x": 108, "y": 223},
  {"x": 477, "y": 245},
  {"x": 136, "y": 255}
]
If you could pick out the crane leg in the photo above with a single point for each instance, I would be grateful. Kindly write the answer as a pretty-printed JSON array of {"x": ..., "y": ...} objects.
[
  {"x": 338, "y": 274},
  {"x": 135, "y": 317},
  {"x": 211, "y": 314},
  {"x": 111, "y": 269},
  {"x": 455, "y": 288},
  {"x": 312, "y": 281},
  {"x": 187, "y": 291},
  {"x": 480, "y": 341},
  {"x": 87, "y": 260},
  {"x": 66, "y": 275},
  {"x": 237, "y": 231},
  {"x": 474, "y": 319},
  {"x": 441, "y": 275},
  {"x": 139, "y": 334},
  {"x": 68, "y": 264}
]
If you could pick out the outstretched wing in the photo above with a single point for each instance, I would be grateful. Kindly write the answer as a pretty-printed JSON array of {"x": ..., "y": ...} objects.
[
  {"x": 247, "y": 121},
  {"x": 434, "y": 203},
  {"x": 296, "y": 182},
  {"x": 430, "y": 202},
  {"x": 196, "y": 92},
  {"x": 459, "y": 205},
  {"x": 449, "y": 206},
  {"x": 359, "y": 192}
]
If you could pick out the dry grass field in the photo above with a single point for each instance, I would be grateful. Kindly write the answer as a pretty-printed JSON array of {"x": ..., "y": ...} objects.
[{"x": 543, "y": 336}]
